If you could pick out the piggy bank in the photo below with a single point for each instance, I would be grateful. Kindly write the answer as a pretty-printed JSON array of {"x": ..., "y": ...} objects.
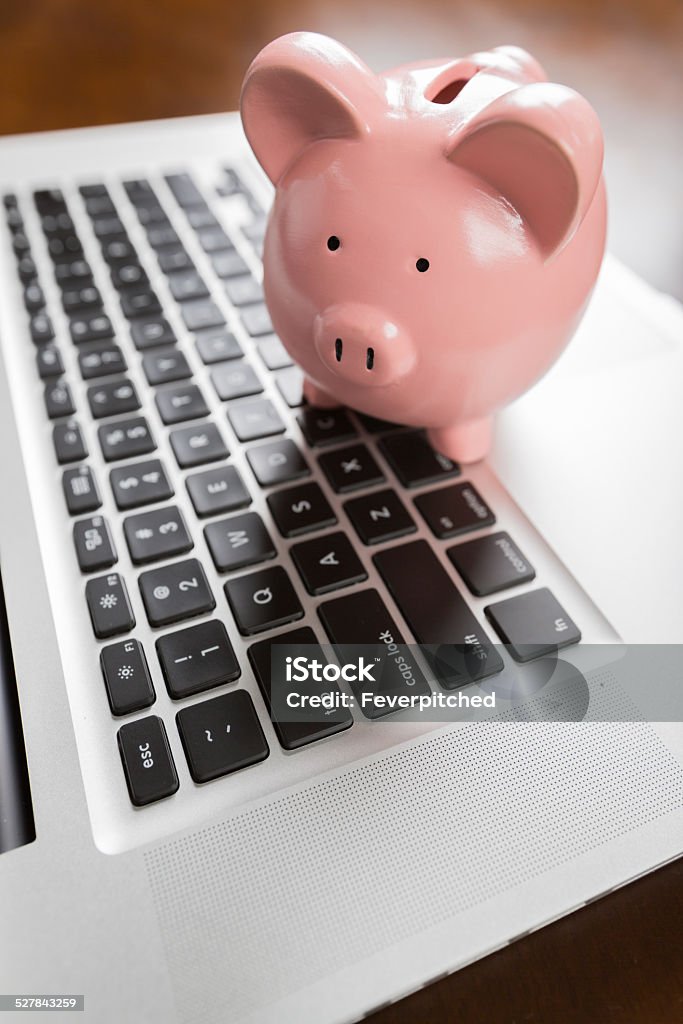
[{"x": 436, "y": 230}]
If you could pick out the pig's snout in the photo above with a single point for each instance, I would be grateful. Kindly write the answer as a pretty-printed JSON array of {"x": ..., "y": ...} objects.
[{"x": 361, "y": 345}]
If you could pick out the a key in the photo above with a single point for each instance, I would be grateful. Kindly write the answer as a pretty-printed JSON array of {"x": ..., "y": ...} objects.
[
  {"x": 118, "y": 250},
  {"x": 263, "y": 600},
  {"x": 128, "y": 275},
  {"x": 492, "y": 563},
  {"x": 239, "y": 541},
  {"x": 458, "y": 650},
  {"x": 350, "y": 468},
  {"x": 80, "y": 490},
  {"x": 49, "y": 362},
  {"x": 184, "y": 190},
  {"x": 48, "y": 200},
  {"x": 94, "y": 545},
  {"x": 251, "y": 420},
  {"x": 236, "y": 380},
  {"x": 200, "y": 314},
  {"x": 151, "y": 333},
  {"x": 109, "y": 605},
  {"x": 68, "y": 441},
  {"x": 140, "y": 483},
  {"x": 256, "y": 320},
  {"x": 194, "y": 446},
  {"x": 277, "y": 462},
  {"x": 201, "y": 217},
  {"x": 298, "y": 510},
  {"x": 139, "y": 191},
  {"x": 99, "y": 206},
  {"x": 161, "y": 533},
  {"x": 273, "y": 353},
  {"x": 270, "y": 670},
  {"x": 327, "y": 563},
  {"x": 58, "y": 223},
  {"x": 221, "y": 736},
  {"x": 94, "y": 190},
  {"x": 33, "y": 298},
  {"x": 26, "y": 269},
  {"x": 147, "y": 761},
  {"x": 124, "y": 439},
  {"x": 187, "y": 284},
  {"x": 161, "y": 235},
  {"x": 152, "y": 214},
  {"x": 100, "y": 360},
  {"x": 75, "y": 300},
  {"x": 533, "y": 624},
  {"x": 106, "y": 227},
  {"x": 139, "y": 302},
  {"x": 178, "y": 404},
  {"x": 21, "y": 244},
  {"x": 112, "y": 398},
  {"x": 217, "y": 490},
  {"x": 326, "y": 426},
  {"x": 290, "y": 384},
  {"x": 162, "y": 366},
  {"x": 94, "y": 327},
  {"x": 243, "y": 290},
  {"x": 213, "y": 240},
  {"x": 414, "y": 461},
  {"x": 175, "y": 592},
  {"x": 59, "y": 400},
  {"x": 197, "y": 658},
  {"x": 64, "y": 248},
  {"x": 229, "y": 264},
  {"x": 363, "y": 619},
  {"x": 126, "y": 677},
  {"x": 216, "y": 346},
  {"x": 454, "y": 510},
  {"x": 174, "y": 258},
  {"x": 379, "y": 517},
  {"x": 73, "y": 275},
  {"x": 41, "y": 329}
]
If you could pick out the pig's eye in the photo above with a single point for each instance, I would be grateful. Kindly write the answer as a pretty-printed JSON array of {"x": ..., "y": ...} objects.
[
  {"x": 422, "y": 264},
  {"x": 333, "y": 243}
]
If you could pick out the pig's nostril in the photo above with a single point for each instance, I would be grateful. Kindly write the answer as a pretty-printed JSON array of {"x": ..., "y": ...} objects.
[
  {"x": 338, "y": 349},
  {"x": 370, "y": 358}
]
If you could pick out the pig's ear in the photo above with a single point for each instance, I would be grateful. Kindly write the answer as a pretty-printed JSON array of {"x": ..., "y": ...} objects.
[
  {"x": 540, "y": 148},
  {"x": 300, "y": 89}
]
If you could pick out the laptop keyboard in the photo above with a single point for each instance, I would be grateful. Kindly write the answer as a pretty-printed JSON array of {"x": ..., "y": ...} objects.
[{"x": 389, "y": 479}]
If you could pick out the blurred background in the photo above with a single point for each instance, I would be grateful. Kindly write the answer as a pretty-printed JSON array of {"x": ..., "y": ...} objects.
[{"x": 69, "y": 63}]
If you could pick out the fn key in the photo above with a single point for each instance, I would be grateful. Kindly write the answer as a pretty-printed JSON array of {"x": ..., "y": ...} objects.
[{"x": 147, "y": 760}]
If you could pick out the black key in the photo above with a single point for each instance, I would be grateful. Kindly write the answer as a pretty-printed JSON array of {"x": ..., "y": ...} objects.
[
  {"x": 182, "y": 403},
  {"x": 213, "y": 240},
  {"x": 34, "y": 298},
  {"x": 256, "y": 320},
  {"x": 326, "y": 426},
  {"x": 49, "y": 362},
  {"x": 139, "y": 191},
  {"x": 158, "y": 534},
  {"x": 100, "y": 206},
  {"x": 492, "y": 563},
  {"x": 21, "y": 244},
  {"x": 48, "y": 200},
  {"x": 58, "y": 223},
  {"x": 162, "y": 366},
  {"x": 68, "y": 441},
  {"x": 302, "y": 509},
  {"x": 347, "y": 469},
  {"x": 9, "y": 200},
  {"x": 112, "y": 398},
  {"x": 533, "y": 624},
  {"x": 126, "y": 677},
  {"x": 150, "y": 333},
  {"x": 380, "y": 516},
  {"x": 64, "y": 249},
  {"x": 221, "y": 736},
  {"x": 194, "y": 446},
  {"x": 290, "y": 384},
  {"x": 15, "y": 221},
  {"x": 140, "y": 483},
  {"x": 59, "y": 400},
  {"x": 161, "y": 235},
  {"x": 91, "y": 328},
  {"x": 174, "y": 258},
  {"x": 263, "y": 600},
  {"x": 109, "y": 605},
  {"x": 273, "y": 353},
  {"x": 454, "y": 510},
  {"x": 459, "y": 651},
  {"x": 363, "y": 618},
  {"x": 94, "y": 190},
  {"x": 243, "y": 290},
  {"x": 76, "y": 299},
  {"x": 41, "y": 328},
  {"x": 239, "y": 541},
  {"x": 414, "y": 461},
  {"x": 251, "y": 420},
  {"x": 139, "y": 302},
  {"x": 201, "y": 217},
  {"x": 216, "y": 346},
  {"x": 229, "y": 264},
  {"x": 100, "y": 360},
  {"x": 327, "y": 563},
  {"x": 237, "y": 380},
  {"x": 118, "y": 250},
  {"x": 94, "y": 545},
  {"x": 128, "y": 275},
  {"x": 152, "y": 214},
  {"x": 184, "y": 189},
  {"x": 277, "y": 462},
  {"x": 187, "y": 284},
  {"x": 26, "y": 269},
  {"x": 80, "y": 490},
  {"x": 197, "y": 658},
  {"x": 200, "y": 314},
  {"x": 147, "y": 761},
  {"x": 125, "y": 438},
  {"x": 175, "y": 592},
  {"x": 73, "y": 275},
  {"x": 217, "y": 490},
  {"x": 269, "y": 668},
  {"x": 107, "y": 227}
]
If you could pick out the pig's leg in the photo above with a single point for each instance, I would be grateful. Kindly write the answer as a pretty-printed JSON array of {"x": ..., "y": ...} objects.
[
  {"x": 318, "y": 396},
  {"x": 464, "y": 442}
]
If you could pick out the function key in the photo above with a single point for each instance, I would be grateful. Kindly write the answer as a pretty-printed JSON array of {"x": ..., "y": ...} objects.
[
  {"x": 150, "y": 333},
  {"x": 68, "y": 441},
  {"x": 178, "y": 404},
  {"x": 34, "y": 298},
  {"x": 217, "y": 490},
  {"x": 221, "y": 735},
  {"x": 216, "y": 346},
  {"x": 100, "y": 360},
  {"x": 243, "y": 290},
  {"x": 414, "y": 461},
  {"x": 26, "y": 269},
  {"x": 48, "y": 200},
  {"x": 533, "y": 624},
  {"x": 41, "y": 328},
  {"x": 187, "y": 284},
  {"x": 277, "y": 463},
  {"x": 91, "y": 328},
  {"x": 9, "y": 200},
  {"x": 94, "y": 190},
  {"x": 239, "y": 541},
  {"x": 49, "y": 362},
  {"x": 348, "y": 469},
  {"x": 184, "y": 190},
  {"x": 298, "y": 510},
  {"x": 327, "y": 563},
  {"x": 197, "y": 658},
  {"x": 229, "y": 264},
  {"x": 251, "y": 420},
  {"x": 112, "y": 398},
  {"x": 201, "y": 314},
  {"x": 158, "y": 534},
  {"x": 137, "y": 302},
  {"x": 140, "y": 483},
  {"x": 273, "y": 353},
  {"x": 21, "y": 244},
  {"x": 379, "y": 517},
  {"x": 256, "y": 320},
  {"x": 237, "y": 380},
  {"x": 454, "y": 510},
  {"x": 162, "y": 366},
  {"x": 174, "y": 592},
  {"x": 15, "y": 221},
  {"x": 147, "y": 761},
  {"x": 194, "y": 446},
  {"x": 123, "y": 439},
  {"x": 59, "y": 400},
  {"x": 263, "y": 600},
  {"x": 80, "y": 490},
  {"x": 94, "y": 545},
  {"x": 109, "y": 605},
  {"x": 126, "y": 677},
  {"x": 491, "y": 563},
  {"x": 326, "y": 426}
]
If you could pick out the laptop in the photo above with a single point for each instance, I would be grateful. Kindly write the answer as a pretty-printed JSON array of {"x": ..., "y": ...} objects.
[{"x": 175, "y": 849}]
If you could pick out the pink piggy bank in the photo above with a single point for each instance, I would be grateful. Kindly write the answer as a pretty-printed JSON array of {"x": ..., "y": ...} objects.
[{"x": 436, "y": 230}]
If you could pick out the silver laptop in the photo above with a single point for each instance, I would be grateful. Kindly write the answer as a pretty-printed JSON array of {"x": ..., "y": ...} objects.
[{"x": 171, "y": 512}]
